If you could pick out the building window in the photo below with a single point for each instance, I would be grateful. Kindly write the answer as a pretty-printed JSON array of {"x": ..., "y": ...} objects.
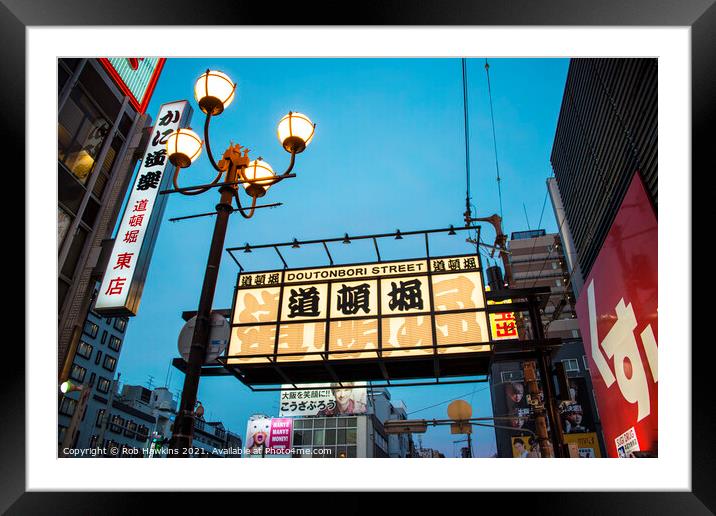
[
  {"x": 131, "y": 429},
  {"x": 103, "y": 385},
  {"x": 100, "y": 417},
  {"x": 512, "y": 376},
  {"x": 115, "y": 344},
  {"x": 571, "y": 365},
  {"x": 84, "y": 350},
  {"x": 142, "y": 433},
  {"x": 67, "y": 406},
  {"x": 120, "y": 323},
  {"x": 98, "y": 357},
  {"x": 109, "y": 363},
  {"x": 90, "y": 329},
  {"x": 585, "y": 361},
  {"x": 81, "y": 130},
  {"x": 104, "y": 336},
  {"x": 117, "y": 425},
  {"x": 93, "y": 441},
  {"x": 78, "y": 373}
]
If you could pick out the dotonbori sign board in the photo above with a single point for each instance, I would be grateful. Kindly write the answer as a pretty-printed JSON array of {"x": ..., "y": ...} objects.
[
  {"x": 618, "y": 319},
  {"x": 406, "y": 319},
  {"x": 135, "y": 76},
  {"x": 123, "y": 281}
]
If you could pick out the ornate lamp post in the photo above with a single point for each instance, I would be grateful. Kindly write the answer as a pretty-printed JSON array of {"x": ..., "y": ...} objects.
[{"x": 214, "y": 91}]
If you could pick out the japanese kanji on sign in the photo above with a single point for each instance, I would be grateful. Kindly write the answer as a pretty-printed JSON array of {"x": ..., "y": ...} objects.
[
  {"x": 123, "y": 281},
  {"x": 373, "y": 312}
]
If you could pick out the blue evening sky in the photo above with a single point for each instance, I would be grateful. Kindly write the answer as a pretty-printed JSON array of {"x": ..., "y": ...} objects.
[{"x": 389, "y": 152}]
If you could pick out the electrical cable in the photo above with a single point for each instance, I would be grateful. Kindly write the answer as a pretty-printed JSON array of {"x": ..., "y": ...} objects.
[{"x": 494, "y": 137}]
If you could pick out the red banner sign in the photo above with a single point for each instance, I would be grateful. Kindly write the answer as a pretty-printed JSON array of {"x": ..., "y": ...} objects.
[{"x": 618, "y": 318}]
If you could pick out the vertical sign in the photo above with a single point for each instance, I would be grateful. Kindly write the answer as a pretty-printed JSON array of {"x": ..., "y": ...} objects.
[
  {"x": 618, "y": 319},
  {"x": 123, "y": 281},
  {"x": 135, "y": 76}
]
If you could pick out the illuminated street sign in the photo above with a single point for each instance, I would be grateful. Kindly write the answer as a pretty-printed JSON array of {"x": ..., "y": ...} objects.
[{"x": 373, "y": 312}]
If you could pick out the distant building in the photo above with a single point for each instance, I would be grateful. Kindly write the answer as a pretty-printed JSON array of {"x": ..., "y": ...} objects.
[
  {"x": 429, "y": 453},
  {"x": 93, "y": 365},
  {"x": 140, "y": 420},
  {"x": 538, "y": 260},
  {"x": 353, "y": 436}
]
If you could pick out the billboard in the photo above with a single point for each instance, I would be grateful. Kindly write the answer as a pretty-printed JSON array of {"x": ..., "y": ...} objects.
[
  {"x": 587, "y": 444},
  {"x": 268, "y": 436},
  {"x": 385, "y": 311},
  {"x": 618, "y": 319},
  {"x": 334, "y": 399},
  {"x": 135, "y": 76},
  {"x": 525, "y": 447},
  {"x": 123, "y": 281}
]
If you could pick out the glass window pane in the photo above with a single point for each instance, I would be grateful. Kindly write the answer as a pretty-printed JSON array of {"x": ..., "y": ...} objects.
[
  {"x": 352, "y": 452},
  {"x": 351, "y": 421},
  {"x": 318, "y": 423},
  {"x": 351, "y": 435},
  {"x": 81, "y": 131},
  {"x": 298, "y": 424},
  {"x": 318, "y": 437},
  {"x": 330, "y": 437},
  {"x": 308, "y": 423},
  {"x": 68, "y": 268},
  {"x": 342, "y": 452},
  {"x": 341, "y": 422},
  {"x": 330, "y": 423},
  {"x": 341, "y": 438}
]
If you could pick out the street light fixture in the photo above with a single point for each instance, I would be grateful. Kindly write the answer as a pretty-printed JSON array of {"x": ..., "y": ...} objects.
[{"x": 214, "y": 91}]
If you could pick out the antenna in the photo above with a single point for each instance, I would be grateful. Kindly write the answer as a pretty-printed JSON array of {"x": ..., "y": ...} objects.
[{"x": 150, "y": 382}]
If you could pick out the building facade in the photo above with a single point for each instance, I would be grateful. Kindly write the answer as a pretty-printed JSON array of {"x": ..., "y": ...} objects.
[
  {"x": 538, "y": 259},
  {"x": 606, "y": 132},
  {"x": 100, "y": 132}
]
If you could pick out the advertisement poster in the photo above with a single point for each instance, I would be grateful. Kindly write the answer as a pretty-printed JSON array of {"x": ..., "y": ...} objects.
[
  {"x": 324, "y": 400},
  {"x": 618, "y": 318},
  {"x": 268, "y": 436},
  {"x": 576, "y": 414},
  {"x": 587, "y": 444},
  {"x": 524, "y": 447}
]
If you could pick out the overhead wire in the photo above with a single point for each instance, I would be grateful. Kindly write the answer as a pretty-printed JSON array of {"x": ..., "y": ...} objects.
[{"x": 494, "y": 137}]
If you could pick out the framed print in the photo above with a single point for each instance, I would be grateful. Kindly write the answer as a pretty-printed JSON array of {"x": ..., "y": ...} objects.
[{"x": 358, "y": 326}]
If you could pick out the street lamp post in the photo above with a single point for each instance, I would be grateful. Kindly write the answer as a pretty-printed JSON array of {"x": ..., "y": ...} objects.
[{"x": 214, "y": 91}]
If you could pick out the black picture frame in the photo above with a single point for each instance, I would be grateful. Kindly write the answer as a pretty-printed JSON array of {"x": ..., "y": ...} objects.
[{"x": 699, "y": 15}]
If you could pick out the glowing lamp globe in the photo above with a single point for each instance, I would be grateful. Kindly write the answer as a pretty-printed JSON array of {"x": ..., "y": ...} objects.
[
  {"x": 295, "y": 132},
  {"x": 183, "y": 147},
  {"x": 262, "y": 173},
  {"x": 214, "y": 91}
]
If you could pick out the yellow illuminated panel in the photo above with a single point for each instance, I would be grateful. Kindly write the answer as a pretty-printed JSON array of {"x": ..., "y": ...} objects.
[
  {"x": 354, "y": 299},
  {"x": 404, "y": 332},
  {"x": 355, "y": 336},
  {"x": 405, "y": 295},
  {"x": 458, "y": 291},
  {"x": 467, "y": 327},
  {"x": 252, "y": 340},
  {"x": 256, "y": 305},
  {"x": 301, "y": 338}
]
